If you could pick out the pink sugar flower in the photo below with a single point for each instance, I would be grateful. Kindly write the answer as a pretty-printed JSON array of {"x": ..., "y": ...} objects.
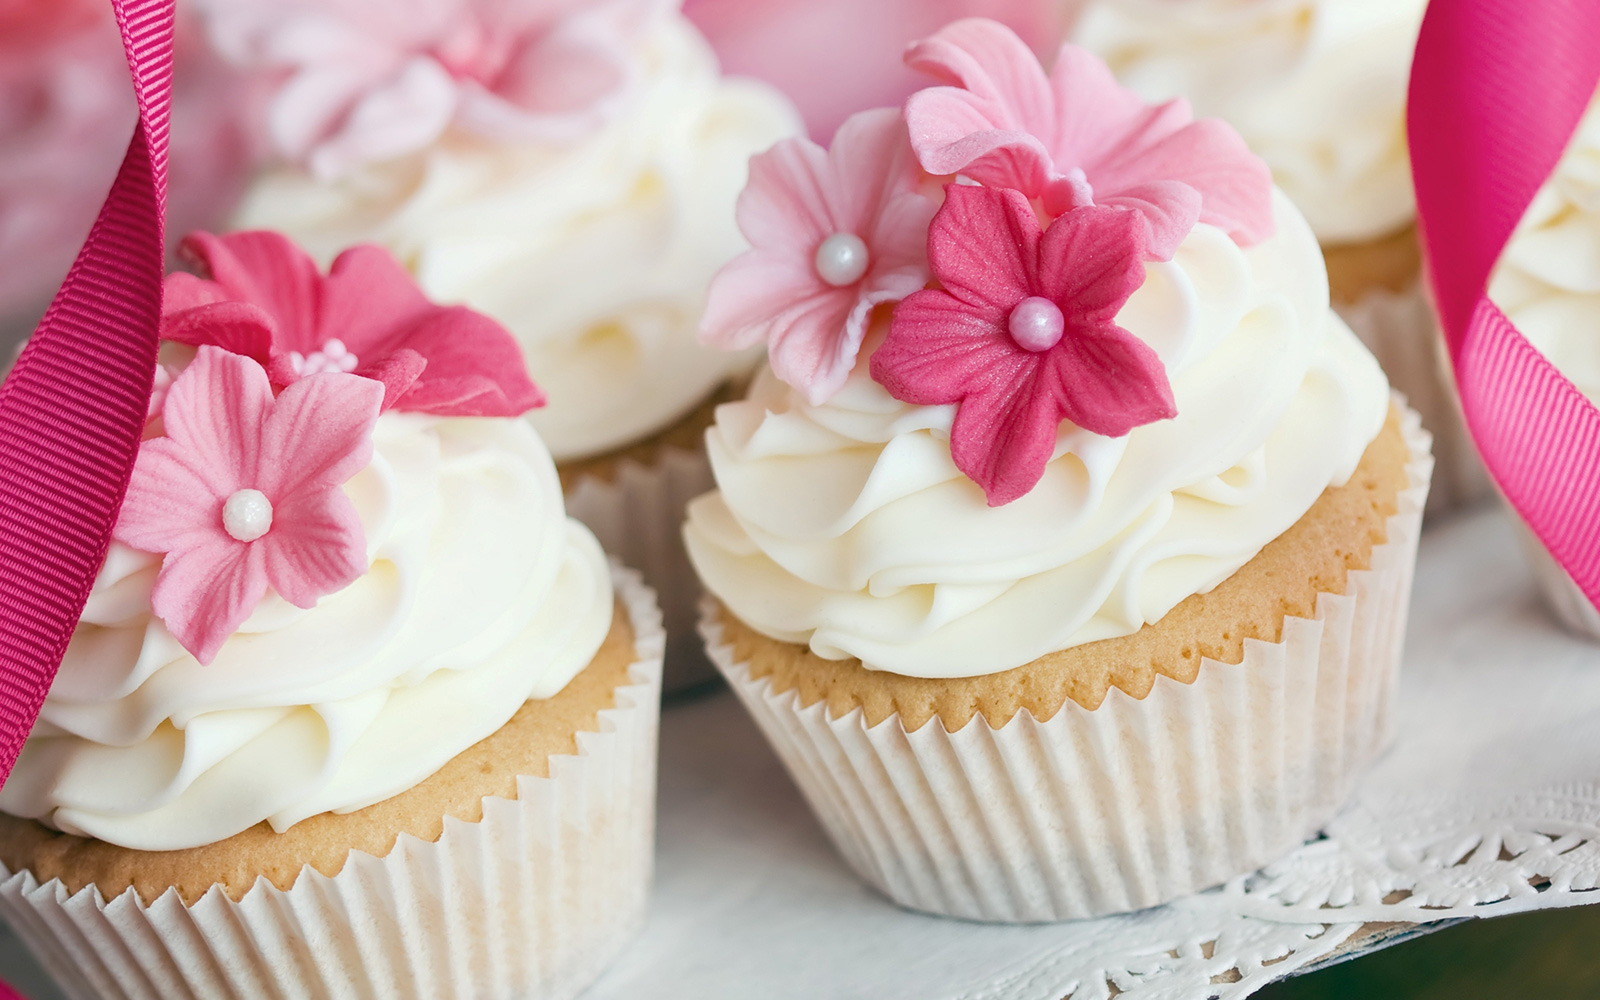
[
  {"x": 368, "y": 80},
  {"x": 1077, "y": 138},
  {"x": 833, "y": 234},
  {"x": 243, "y": 493},
  {"x": 1023, "y": 334},
  {"x": 264, "y": 298}
]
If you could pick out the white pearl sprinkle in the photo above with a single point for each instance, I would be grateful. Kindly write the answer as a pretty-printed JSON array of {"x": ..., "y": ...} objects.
[
  {"x": 247, "y": 515},
  {"x": 1036, "y": 324},
  {"x": 842, "y": 259}
]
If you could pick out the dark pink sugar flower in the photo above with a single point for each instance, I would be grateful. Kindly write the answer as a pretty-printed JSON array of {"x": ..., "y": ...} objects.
[
  {"x": 833, "y": 234},
  {"x": 1023, "y": 334},
  {"x": 1076, "y": 138},
  {"x": 242, "y": 492},
  {"x": 264, "y": 298}
]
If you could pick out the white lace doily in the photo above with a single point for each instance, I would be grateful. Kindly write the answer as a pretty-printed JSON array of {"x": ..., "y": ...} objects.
[{"x": 1488, "y": 803}]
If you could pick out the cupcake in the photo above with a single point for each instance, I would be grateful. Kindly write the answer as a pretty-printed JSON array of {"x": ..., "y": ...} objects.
[
  {"x": 1066, "y": 569},
  {"x": 569, "y": 171},
  {"x": 1318, "y": 90},
  {"x": 1547, "y": 282},
  {"x": 352, "y": 700}
]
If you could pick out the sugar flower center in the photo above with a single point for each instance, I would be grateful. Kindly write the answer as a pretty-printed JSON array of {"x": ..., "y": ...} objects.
[
  {"x": 1036, "y": 324},
  {"x": 334, "y": 357},
  {"x": 842, "y": 259},
  {"x": 247, "y": 515}
]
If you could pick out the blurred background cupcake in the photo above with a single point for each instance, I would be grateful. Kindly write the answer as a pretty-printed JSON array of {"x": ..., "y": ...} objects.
[
  {"x": 350, "y": 682},
  {"x": 1548, "y": 284},
  {"x": 66, "y": 113},
  {"x": 1063, "y": 549},
  {"x": 568, "y": 168},
  {"x": 1318, "y": 90}
]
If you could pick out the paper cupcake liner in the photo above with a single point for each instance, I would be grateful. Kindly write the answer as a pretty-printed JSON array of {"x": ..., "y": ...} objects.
[
  {"x": 1401, "y": 331},
  {"x": 1561, "y": 595},
  {"x": 1126, "y": 806},
  {"x": 531, "y": 902},
  {"x": 638, "y": 515}
]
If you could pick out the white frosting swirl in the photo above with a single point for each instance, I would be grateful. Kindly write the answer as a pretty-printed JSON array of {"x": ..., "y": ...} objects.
[
  {"x": 1548, "y": 279},
  {"x": 1316, "y": 87},
  {"x": 481, "y": 594},
  {"x": 848, "y": 527},
  {"x": 595, "y": 254}
]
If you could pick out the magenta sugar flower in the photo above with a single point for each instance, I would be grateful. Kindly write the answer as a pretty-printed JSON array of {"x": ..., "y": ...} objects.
[
  {"x": 1077, "y": 138},
  {"x": 243, "y": 492},
  {"x": 833, "y": 234},
  {"x": 1022, "y": 335},
  {"x": 264, "y": 298}
]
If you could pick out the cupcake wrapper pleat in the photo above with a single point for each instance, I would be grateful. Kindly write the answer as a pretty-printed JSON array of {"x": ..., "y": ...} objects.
[
  {"x": 1125, "y": 806},
  {"x": 638, "y": 516},
  {"x": 531, "y": 902},
  {"x": 1400, "y": 329}
]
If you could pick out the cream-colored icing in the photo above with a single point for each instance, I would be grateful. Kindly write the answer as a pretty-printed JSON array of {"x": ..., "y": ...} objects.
[
  {"x": 481, "y": 594},
  {"x": 1316, "y": 87},
  {"x": 1548, "y": 279},
  {"x": 595, "y": 254},
  {"x": 848, "y": 528}
]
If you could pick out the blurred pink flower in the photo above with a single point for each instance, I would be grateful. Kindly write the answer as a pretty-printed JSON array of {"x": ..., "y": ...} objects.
[
  {"x": 1077, "y": 137},
  {"x": 66, "y": 113},
  {"x": 836, "y": 57},
  {"x": 833, "y": 233},
  {"x": 365, "y": 80}
]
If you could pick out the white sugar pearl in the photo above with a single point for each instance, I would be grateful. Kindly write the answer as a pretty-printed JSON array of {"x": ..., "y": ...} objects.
[
  {"x": 842, "y": 259},
  {"x": 1036, "y": 324},
  {"x": 247, "y": 515}
]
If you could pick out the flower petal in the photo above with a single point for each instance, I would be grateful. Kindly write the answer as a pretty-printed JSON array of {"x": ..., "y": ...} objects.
[
  {"x": 237, "y": 327},
  {"x": 983, "y": 246},
  {"x": 398, "y": 372},
  {"x": 786, "y": 205},
  {"x": 1108, "y": 381},
  {"x": 1169, "y": 209},
  {"x": 214, "y": 413},
  {"x": 316, "y": 546},
  {"x": 1091, "y": 260},
  {"x": 938, "y": 349},
  {"x": 812, "y": 345},
  {"x": 750, "y": 291},
  {"x": 367, "y": 301},
  {"x": 988, "y": 60},
  {"x": 266, "y": 269},
  {"x": 1096, "y": 113},
  {"x": 871, "y": 163},
  {"x": 317, "y": 436},
  {"x": 462, "y": 348},
  {"x": 205, "y": 592},
  {"x": 1004, "y": 433},
  {"x": 174, "y": 498}
]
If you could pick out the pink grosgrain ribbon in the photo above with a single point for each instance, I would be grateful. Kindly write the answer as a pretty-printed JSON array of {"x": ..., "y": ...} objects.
[
  {"x": 73, "y": 409},
  {"x": 1497, "y": 89}
]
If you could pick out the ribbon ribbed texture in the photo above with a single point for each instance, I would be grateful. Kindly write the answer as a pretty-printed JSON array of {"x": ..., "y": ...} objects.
[
  {"x": 73, "y": 408},
  {"x": 1497, "y": 90}
]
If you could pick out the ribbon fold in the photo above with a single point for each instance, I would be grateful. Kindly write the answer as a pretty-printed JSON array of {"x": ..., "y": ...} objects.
[
  {"x": 1497, "y": 90},
  {"x": 73, "y": 408}
]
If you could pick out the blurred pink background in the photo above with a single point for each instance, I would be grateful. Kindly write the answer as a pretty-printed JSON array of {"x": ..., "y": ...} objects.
[{"x": 835, "y": 57}]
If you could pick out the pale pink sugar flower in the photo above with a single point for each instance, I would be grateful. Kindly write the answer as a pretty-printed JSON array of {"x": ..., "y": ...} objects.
[
  {"x": 243, "y": 493},
  {"x": 833, "y": 234},
  {"x": 1076, "y": 137},
  {"x": 368, "y": 80}
]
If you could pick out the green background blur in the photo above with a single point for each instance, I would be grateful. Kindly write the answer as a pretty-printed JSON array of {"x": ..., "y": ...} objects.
[{"x": 1553, "y": 955}]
